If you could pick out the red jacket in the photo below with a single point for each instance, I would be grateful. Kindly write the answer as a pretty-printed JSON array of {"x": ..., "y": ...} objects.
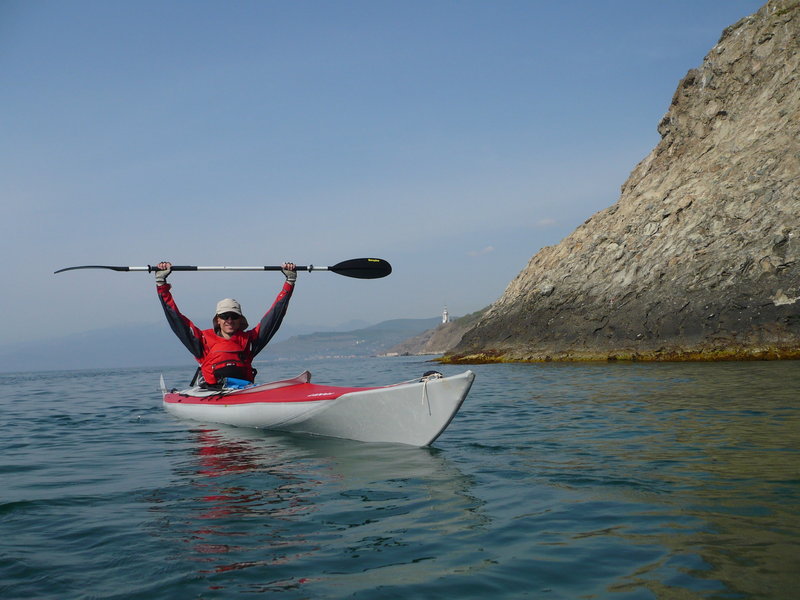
[{"x": 214, "y": 352}]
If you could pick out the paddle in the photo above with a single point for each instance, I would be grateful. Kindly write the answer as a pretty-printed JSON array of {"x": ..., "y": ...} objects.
[{"x": 359, "y": 268}]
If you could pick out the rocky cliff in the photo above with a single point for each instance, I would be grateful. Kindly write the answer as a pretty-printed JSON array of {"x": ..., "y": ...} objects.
[{"x": 698, "y": 259}]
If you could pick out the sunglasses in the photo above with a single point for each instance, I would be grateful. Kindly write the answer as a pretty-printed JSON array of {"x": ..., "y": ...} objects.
[{"x": 229, "y": 316}]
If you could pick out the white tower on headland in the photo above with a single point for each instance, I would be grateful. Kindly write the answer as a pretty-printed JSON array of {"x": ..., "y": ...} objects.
[{"x": 445, "y": 316}]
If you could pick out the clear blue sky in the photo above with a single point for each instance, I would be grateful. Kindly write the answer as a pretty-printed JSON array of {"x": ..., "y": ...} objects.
[{"x": 452, "y": 138}]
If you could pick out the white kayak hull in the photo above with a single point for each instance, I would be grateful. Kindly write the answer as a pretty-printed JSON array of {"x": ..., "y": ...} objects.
[{"x": 413, "y": 413}]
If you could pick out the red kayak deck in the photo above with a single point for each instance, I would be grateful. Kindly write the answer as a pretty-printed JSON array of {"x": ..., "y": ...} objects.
[{"x": 300, "y": 392}]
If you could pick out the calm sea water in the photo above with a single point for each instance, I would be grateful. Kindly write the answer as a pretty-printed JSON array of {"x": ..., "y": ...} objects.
[{"x": 620, "y": 481}]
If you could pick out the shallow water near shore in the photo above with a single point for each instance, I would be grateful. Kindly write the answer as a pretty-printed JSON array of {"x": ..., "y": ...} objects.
[{"x": 554, "y": 481}]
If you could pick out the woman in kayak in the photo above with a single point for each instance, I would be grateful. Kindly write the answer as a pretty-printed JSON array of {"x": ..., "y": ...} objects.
[{"x": 228, "y": 349}]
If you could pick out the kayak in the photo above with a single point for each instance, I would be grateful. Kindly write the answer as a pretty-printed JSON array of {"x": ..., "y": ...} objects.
[{"x": 413, "y": 412}]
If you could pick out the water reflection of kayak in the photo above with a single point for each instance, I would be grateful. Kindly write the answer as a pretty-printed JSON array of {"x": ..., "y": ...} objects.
[{"x": 413, "y": 412}]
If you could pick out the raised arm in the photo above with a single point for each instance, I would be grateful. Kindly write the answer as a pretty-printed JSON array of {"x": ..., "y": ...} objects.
[
  {"x": 272, "y": 319},
  {"x": 188, "y": 333}
]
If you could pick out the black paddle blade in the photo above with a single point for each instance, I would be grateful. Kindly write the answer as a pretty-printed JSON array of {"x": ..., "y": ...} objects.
[
  {"x": 362, "y": 268},
  {"x": 93, "y": 267}
]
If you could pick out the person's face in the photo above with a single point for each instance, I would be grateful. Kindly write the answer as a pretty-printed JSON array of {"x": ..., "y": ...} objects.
[{"x": 229, "y": 323}]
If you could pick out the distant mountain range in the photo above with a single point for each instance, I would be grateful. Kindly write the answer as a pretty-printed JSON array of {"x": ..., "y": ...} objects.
[
  {"x": 367, "y": 341},
  {"x": 153, "y": 345}
]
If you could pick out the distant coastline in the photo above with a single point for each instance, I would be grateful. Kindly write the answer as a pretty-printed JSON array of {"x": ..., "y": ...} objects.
[{"x": 154, "y": 345}]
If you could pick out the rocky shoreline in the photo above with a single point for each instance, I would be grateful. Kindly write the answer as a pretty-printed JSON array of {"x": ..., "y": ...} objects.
[{"x": 698, "y": 259}]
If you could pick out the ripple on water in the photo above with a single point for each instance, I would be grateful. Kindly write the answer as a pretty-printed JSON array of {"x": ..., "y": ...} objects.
[{"x": 560, "y": 481}]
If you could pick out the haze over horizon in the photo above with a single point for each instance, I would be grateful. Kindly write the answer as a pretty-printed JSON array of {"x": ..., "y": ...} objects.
[{"x": 453, "y": 139}]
